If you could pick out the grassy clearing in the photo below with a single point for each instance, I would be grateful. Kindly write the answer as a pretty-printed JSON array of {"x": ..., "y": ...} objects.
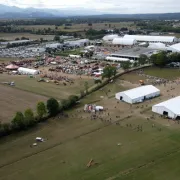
[
  {"x": 13, "y": 100},
  {"x": 46, "y": 89},
  {"x": 5, "y": 60},
  {"x": 71, "y": 143},
  {"x": 13, "y": 36},
  {"x": 163, "y": 72},
  {"x": 81, "y": 27}
]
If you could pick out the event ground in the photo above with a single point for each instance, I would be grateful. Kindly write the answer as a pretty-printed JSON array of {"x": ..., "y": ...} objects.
[{"x": 120, "y": 151}]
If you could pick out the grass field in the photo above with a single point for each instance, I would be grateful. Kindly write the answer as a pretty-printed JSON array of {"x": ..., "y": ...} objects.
[
  {"x": 13, "y": 100},
  {"x": 46, "y": 89},
  {"x": 13, "y": 36},
  {"x": 163, "y": 72},
  {"x": 72, "y": 142},
  {"x": 81, "y": 27},
  {"x": 120, "y": 151}
]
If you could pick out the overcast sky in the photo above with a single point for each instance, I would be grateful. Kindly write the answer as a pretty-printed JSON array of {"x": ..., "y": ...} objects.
[{"x": 104, "y": 6}]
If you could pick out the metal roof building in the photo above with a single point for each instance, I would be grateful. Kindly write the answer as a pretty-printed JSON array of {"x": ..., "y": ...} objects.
[
  {"x": 168, "y": 108},
  {"x": 142, "y": 38},
  {"x": 124, "y": 41},
  {"x": 138, "y": 94},
  {"x": 133, "y": 53},
  {"x": 110, "y": 37}
]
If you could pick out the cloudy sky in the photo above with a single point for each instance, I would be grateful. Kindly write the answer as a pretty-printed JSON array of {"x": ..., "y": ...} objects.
[{"x": 104, "y": 6}]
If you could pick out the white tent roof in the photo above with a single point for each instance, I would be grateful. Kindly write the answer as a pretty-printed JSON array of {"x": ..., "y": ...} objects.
[
  {"x": 116, "y": 59},
  {"x": 169, "y": 39},
  {"x": 171, "y": 104},
  {"x": 110, "y": 37},
  {"x": 175, "y": 47},
  {"x": 161, "y": 46},
  {"x": 140, "y": 91},
  {"x": 124, "y": 41}
]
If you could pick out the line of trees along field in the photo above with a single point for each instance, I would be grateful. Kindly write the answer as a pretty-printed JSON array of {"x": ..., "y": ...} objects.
[{"x": 26, "y": 120}]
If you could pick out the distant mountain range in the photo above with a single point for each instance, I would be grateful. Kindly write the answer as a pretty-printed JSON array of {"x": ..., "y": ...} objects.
[{"x": 11, "y": 12}]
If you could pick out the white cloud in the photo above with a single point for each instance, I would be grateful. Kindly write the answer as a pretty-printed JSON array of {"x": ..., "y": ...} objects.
[{"x": 104, "y": 6}]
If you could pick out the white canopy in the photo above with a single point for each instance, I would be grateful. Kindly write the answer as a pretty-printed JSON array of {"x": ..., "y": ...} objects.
[
  {"x": 124, "y": 41},
  {"x": 116, "y": 59},
  {"x": 110, "y": 37},
  {"x": 142, "y": 38},
  {"x": 28, "y": 71}
]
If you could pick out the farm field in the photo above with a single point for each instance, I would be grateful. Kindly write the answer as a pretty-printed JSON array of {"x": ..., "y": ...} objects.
[
  {"x": 120, "y": 151},
  {"x": 163, "y": 72},
  {"x": 46, "y": 89},
  {"x": 13, "y": 100},
  {"x": 13, "y": 36},
  {"x": 81, "y": 27}
]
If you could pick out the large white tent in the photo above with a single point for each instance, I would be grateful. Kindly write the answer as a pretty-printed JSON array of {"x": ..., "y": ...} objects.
[
  {"x": 142, "y": 38},
  {"x": 124, "y": 41},
  {"x": 138, "y": 94},
  {"x": 174, "y": 48},
  {"x": 28, "y": 71},
  {"x": 168, "y": 108},
  {"x": 158, "y": 46},
  {"x": 110, "y": 37}
]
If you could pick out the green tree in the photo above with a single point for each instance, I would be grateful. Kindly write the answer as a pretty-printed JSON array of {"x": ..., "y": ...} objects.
[
  {"x": 41, "y": 40},
  {"x": 18, "y": 121},
  {"x": 56, "y": 38},
  {"x": 126, "y": 65},
  {"x": 73, "y": 99},
  {"x": 52, "y": 106},
  {"x": 142, "y": 59},
  {"x": 41, "y": 109},
  {"x": 5, "y": 128},
  {"x": 160, "y": 59},
  {"x": 65, "y": 103},
  {"x": 29, "y": 117},
  {"x": 86, "y": 86},
  {"x": 97, "y": 81},
  {"x": 109, "y": 71}
]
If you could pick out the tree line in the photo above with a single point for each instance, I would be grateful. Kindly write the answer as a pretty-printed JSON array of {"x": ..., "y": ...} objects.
[{"x": 28, "y": 119}]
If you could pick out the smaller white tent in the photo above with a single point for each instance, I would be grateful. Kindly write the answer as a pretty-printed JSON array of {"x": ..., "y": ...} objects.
[
  {"x": 109, "y": 58},
  {"x": 74, "y": 56},
  {"x": 27, "y": 71},
  {"x": 158, "y": 46},
  {"x": 110, "y": 37},
  {"x": 174, "y": 48},
  {"x": 168, "y": 108},
  {"x": 124, "y": 41},
  {"x": 138, "y": 94}
]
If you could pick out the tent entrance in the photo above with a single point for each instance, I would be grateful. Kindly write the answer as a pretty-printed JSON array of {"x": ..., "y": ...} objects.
[
  {"x": 178, "y": 118},
  {"x": 121, "y": 98},
  {"x": 165, "y": 113}
]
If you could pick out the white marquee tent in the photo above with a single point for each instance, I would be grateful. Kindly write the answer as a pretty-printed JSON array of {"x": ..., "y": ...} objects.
[
  {"x": 109, "y": 58},
  {"x": 138, "y": 94},
  {"x": 27, "y": 71},
  {"x": 124, "y": 41},
  {"x": 110, "y": 37},
  {"x": 142, "y": 38},
  {"x": 169, "y": 108},
  {"x": 174, "y": 48},
  {"x": 158, "y": 46}
]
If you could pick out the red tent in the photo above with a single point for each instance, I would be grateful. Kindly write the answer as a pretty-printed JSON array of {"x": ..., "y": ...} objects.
[{"x": 12, "y": 67}]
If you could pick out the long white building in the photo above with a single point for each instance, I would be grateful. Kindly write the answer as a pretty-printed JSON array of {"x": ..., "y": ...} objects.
[
  {"x": 124, "y": 41},
  {"x": 142, "y": 38},
  {"x": 168, "y": 108},
  {"x": 138, "y": 94}
]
